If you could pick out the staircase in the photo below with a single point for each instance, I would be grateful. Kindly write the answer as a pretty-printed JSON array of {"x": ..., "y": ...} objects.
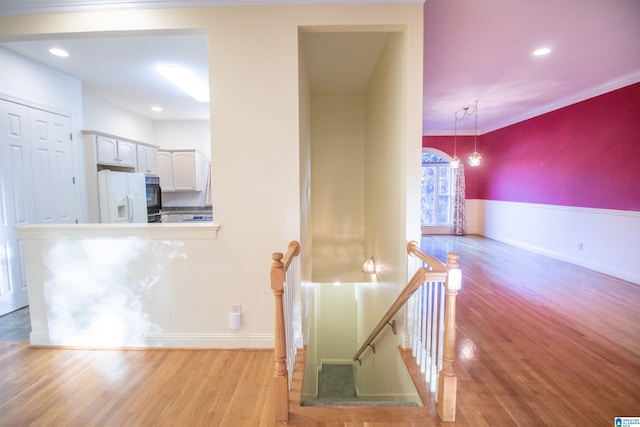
[
  {"x": 337, "y": 387},
  {"x": 431, "y": 295}
]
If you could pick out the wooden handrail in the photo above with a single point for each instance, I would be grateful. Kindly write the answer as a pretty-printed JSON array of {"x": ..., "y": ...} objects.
[
  {"x": 432, "y": 263},
  {"x": 293, "y": 250},
  {"x": 404, "y": 296},
  {"x": 280, "y": 264},
  {"x": 435, "y": 270}
]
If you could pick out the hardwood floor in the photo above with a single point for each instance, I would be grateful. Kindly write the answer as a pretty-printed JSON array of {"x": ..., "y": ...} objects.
[{"x": 539, "y": 342}]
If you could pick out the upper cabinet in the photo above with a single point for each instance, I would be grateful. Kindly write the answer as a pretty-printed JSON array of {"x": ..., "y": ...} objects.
[
  {"x": 180, "y": 170},
  {"x": 105, "y": 151},
  {"x": 165, "y": 170},
  {"x": 147, "y": 160},
  {"x": 115, "y": 152}
]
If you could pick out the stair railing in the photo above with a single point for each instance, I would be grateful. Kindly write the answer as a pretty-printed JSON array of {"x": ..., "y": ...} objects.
[
  {"x": 432, "y": 290},
  {"x": 400, "y": 301},
  {"x": 283, "y": 284},
  {"x": 433, "y": 327}
]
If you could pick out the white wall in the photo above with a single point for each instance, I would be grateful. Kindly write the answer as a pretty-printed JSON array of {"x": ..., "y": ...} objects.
[
  {"x": 337, "y": 186},
  {"x": 137, "y": 286},
  {"x": 307, "y": 288},
  {"x": 253, "y": 55},
  {"x": 104, "y": 117},
  {"x": 168, "y": 134},
  {"x": 603, "y": 240},
  {"x": 185, "y": 134},
  {"x": 337, "y": 315},
  {"x": 28, "y": 82},
  {"x": 389, "y": 139}
]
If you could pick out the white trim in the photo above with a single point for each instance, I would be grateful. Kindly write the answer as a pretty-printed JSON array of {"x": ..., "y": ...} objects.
[
  {"x": 211, "y": 340},
  {"x": 603, "y": 240},
  {"x": 162, "y": 231},
  {"x": 41, "y": 338},
  {"x": 589, "y": 93},
  {"x": 335, "y": 362},
  {"x": 592, "y": 92},
  {"x": 437, "y": 152},
  {"x": 26, "y": 7},
  {"x": 37, "y": 106},
  {"x": 432, "y": 230}
]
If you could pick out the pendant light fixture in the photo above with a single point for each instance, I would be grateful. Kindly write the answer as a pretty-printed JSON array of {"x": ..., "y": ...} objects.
[
  {"x": 474, "y": 159},
  {"x": 455, "y": 162}
]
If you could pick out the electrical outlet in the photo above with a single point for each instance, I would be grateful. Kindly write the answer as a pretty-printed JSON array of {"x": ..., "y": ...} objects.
[
  {"x": 236, "y": 308},
  {"x": 580, "y": 246}
]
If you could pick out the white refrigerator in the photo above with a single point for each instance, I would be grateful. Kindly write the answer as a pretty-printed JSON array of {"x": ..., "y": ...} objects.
[{"x": 122, "y": 197}]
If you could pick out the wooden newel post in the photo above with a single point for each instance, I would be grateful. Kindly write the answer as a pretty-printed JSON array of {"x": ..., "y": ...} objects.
[
  {"x": 447, "y": 380},
  {"x": 281, "y": 376}
]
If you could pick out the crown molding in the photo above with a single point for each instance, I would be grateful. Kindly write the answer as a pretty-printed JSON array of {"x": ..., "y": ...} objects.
[
  {"x": 611, "y": 85},
  {"x": 32, "y": 7},
  {"x": 592, "y": 92}
]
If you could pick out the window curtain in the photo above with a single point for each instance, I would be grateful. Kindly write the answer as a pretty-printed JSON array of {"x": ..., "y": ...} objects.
[{"x": 459, "y": 227}]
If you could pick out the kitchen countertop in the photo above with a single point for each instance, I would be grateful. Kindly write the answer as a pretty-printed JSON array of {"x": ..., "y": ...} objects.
[
  {"x": 187, "y": 214},
  {"x": 187, "y": 209}
]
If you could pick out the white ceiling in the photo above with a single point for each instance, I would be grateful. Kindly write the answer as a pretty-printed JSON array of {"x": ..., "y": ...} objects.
[
  {"x": 481, "y": 50},
  {"x": 473, "y": 50},
  {"x": 121, "y": 69}
]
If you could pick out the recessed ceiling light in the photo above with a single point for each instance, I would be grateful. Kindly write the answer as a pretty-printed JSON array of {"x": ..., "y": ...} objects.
[
  {"x": 541, "y": 51},
  {"x": 156, "y": 108},
  {"x": 185, "y": 80},
  {"x": 58, "y": 52}
]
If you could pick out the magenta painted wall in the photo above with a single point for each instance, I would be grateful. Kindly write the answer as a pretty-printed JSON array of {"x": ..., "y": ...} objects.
[
  {"x": 464, "y": 148},
  {"x": 585, "y": 155}
]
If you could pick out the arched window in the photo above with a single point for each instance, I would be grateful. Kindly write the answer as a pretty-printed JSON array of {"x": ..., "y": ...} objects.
[{"x": 437, "y": 190}]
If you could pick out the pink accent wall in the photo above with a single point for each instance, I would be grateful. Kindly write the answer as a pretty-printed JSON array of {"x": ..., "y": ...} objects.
[
  {"x": 464, "y": 148},
  {"x": 584, "y": 155}
]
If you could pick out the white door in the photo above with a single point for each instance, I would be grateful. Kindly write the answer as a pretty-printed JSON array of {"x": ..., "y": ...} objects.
[
  {"x": 16, "y": 202},
  {"x": 53, "y": 179}
]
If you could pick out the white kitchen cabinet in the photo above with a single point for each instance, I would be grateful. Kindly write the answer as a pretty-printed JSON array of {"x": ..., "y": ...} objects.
[
  {"x": 147, "y": 160},
  {"x": 106, "y": 151},
  {"x": 165, "y": 170},
  {"x": 115, "y": 152},
  {"x": 180, "y": 170},
  {"x": 187, "y": 171}
]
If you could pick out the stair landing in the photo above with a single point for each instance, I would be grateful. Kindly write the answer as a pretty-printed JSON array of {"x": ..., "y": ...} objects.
[{"x": 336, "y": 387}]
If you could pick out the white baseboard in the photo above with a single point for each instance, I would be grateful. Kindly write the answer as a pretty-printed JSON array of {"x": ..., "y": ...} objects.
[
  {"x": 602, "y": 240},
  {"x": 211, "y": 340},
  {"x": 335, "y": 362},
  {"x": 221, "y": 341}
]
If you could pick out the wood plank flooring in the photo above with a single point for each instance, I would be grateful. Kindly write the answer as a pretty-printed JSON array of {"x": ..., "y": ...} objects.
[{"x": 539, "y": 342}]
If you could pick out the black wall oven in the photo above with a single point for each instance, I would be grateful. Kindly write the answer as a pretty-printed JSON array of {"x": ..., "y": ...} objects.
[{"x": 154, "y": 198}]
